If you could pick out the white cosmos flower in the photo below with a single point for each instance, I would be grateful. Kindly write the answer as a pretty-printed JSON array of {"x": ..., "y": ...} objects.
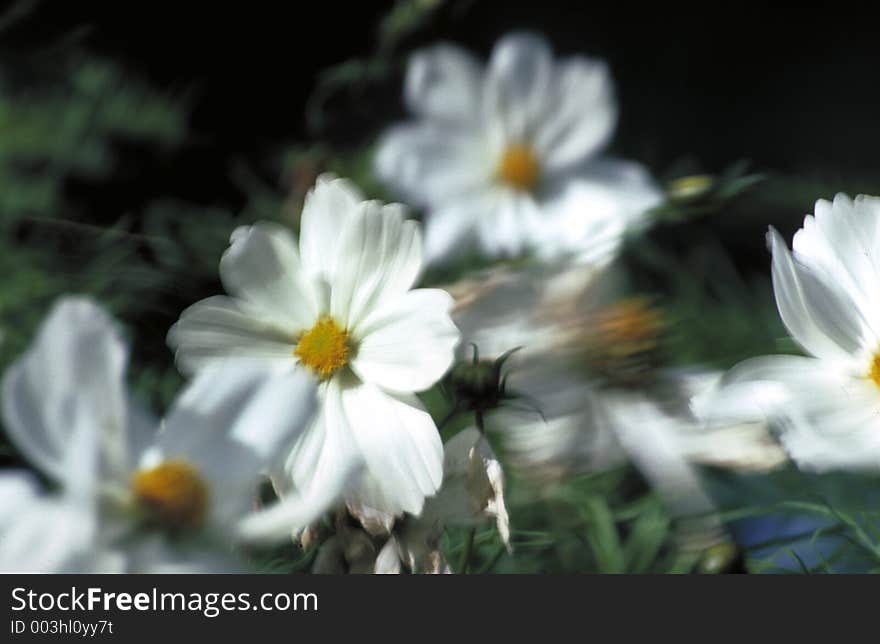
[
  {"x": 590, "y": 422},
  {"x": 827, "y": 403},
  {"x": 504, "y": 157},
  {"x": 339, "y": 305},
  {"x": 66, "y": 408}
]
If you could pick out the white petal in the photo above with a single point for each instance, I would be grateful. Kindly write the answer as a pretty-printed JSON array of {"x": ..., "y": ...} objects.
[
  {"x": 496, "y": 505},
  {"x": 222, "y": 328},
  {"x": 473, "y": 486},
  {"x": 41, "y": 534},
  {"x": 230, "y": 422},
  {"x": 827, "y": 420},
  {"x": 649, "y": 437},
  {"x": 408, "y": 346},
  {"x": 820, "y": 317},
  {"x": 753, "y": 389},
  {"x": 326, "y": 211},
  {"x": 400, "y": 445},
  {"x": 582, "y": 116},
  {"x": 430, "y": 163},
  {"x": 518, "y": 83},
  {"x": 842, "y": 241},
  {"x": 450, "y": 230},
  {"x": 262, "y": 268},
  {"x": 72, "y": 376},
  {"x": 743, "y": 444},
  {"x": 511, "y": 226},
  {"x": 388, "y": 559},
  {"x": 320, "y": 469},
  {"x": 444, "y": 82},
  {"x": 380, "y": 256},
  {"x": 587, "y": 215}
]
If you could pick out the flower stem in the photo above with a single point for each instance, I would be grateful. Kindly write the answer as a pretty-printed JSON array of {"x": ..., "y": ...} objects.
[{"x": 466, "y": 555}]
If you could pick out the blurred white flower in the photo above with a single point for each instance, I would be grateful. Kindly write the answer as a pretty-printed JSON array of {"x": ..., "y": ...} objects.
[
  {"x": 66, "y": 408},
  {"x": 340, "y": 306},
  {"x": 591, "y": 369},
  {"x": 827, "y": 405},
  {"x": 505, "y": 157}
]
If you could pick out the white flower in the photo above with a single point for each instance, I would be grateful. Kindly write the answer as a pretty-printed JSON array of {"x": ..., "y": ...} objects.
[
  {"x": 340, "y": 305},
  {"x": 827, "y": 404},
  {"x": 66, "y": 408},
  {"x": 572, "y": 342},
  {"x": 505, "y": 157}
]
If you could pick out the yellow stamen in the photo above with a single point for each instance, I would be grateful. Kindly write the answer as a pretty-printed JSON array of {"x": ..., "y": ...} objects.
[
  {"x": 172, "y": 493},
  {"x": 519, "y": 167},
  {"x": 874, "y": 373},
  {"x": 629, "y": 326},
  {"x": 324, "y": 348}
]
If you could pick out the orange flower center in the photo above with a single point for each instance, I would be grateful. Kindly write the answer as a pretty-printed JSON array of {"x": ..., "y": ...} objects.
[
  {"x": 519, "y": 167},
  {"x": 324, "y": 348},
  {"x": 172, "y": 493}
]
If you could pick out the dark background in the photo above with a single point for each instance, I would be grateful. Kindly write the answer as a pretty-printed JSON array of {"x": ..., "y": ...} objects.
[{"x": 792, "y": 89}]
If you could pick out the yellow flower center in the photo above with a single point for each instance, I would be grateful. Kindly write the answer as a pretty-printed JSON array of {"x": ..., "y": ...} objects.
[
  {"x": 519, "y": 167},
  {"x": 172, "y": 493},
  {"x": 624, "y": 342},
  {"x": 874, "y": 372},
  {"x": 629, "y": 326},
  {"x": 324, "y": 348}
]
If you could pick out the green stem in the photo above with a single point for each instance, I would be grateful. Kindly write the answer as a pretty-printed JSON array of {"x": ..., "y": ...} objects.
[
  {"x": 494, "y": 560},
  {"x": 466, "y": 555},
  {"x": 478, "y": 417},
  {"x": 452, "y": 413}
]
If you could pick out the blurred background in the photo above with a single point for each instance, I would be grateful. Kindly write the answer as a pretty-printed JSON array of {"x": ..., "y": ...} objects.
[{"x": 134, "y": 137}]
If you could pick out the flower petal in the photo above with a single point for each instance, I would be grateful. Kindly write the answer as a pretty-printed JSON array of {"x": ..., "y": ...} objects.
[
  {"x": 841, "y": 242},
  {"x": 428, "y": 163},
  {"x": 41, "y": 533},
  {"x": 511, "y": 226},
  {"x": 518, "y": 83},
  {"x": 318, "y": 471},
  {"x": 327, "y": 209},
  {"x": 221, "y": 328},
  {"x": 388, "y": 559},
  {"x": 827, "y": 420},
  {"x": 72, "y": 376},
  {"x": 231, "y": 422},
  {"x": 649, "y": 437},
  {"x": 379, "y": 259},
  {"x": 820, "y": 317},
  {"x": 587, "y": 215},
  {"x": 400, "y": 445},
  {"x": 450, "y": 230},
  {"x": 262, "y": 268},
  {"x": 582, "y": 116},
  {"x": 444, "y": 82},
  {"x": 409, "y": 345}
]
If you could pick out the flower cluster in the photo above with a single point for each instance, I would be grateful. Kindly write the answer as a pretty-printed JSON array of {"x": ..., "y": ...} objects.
[{"x": 336, "y": 399}]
